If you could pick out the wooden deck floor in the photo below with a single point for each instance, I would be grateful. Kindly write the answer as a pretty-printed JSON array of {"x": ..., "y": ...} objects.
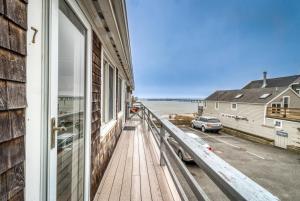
[{"x": 134, "y": 172}]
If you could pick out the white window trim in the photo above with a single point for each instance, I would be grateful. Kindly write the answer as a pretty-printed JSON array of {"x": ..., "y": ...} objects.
[
  {"x": 121, "y": 109},
  {"x": 289, "y": 101},
  {"x": 217, "y": 103},
  {"x": 235, "y": 107},
  {"x": 103, "y": 91},
  {"x": 105, "y": 129},
  {"x": 278, "y": 121}
]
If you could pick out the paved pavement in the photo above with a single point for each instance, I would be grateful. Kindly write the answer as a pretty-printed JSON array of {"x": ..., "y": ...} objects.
[{"x": 275, "y": 169}]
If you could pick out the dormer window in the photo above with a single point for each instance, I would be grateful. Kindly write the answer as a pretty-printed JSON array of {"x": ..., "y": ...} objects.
[
  {"x": 238, "y": 96},
  {"x": 265, "y": 96}
]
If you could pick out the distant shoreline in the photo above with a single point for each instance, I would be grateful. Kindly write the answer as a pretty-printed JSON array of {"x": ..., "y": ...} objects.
[{"x": 172, "y": 99}]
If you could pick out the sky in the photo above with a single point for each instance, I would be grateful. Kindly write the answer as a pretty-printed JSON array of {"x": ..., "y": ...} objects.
[{"x": 190, "y": 48}]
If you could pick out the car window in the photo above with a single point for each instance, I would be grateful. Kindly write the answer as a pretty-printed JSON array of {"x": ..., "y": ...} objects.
[{"x": 213, "y": 120}]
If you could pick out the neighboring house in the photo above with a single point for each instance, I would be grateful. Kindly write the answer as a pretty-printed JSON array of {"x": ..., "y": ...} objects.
[
  {"x": 65, "y": 80},
  {"x": 269, "y": 108}
]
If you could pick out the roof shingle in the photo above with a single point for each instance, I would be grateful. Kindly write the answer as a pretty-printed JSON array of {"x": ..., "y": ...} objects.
[
  {"x": 249, "y": 95},
  {"x": 273, "y": 82}
]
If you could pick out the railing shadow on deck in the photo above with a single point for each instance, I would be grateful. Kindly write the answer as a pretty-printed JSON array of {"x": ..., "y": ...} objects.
[{"x": 234, "y": 184}]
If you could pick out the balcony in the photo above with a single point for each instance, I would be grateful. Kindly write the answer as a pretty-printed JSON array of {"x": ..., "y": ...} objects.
[
  {"x": 134, "y": 172},
  {"x": 290, "y": 114},
  {"x": 143, "y": 163}
]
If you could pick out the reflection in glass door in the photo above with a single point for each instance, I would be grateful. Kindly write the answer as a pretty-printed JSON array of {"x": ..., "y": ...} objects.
[{"x": 71, "y": 105}]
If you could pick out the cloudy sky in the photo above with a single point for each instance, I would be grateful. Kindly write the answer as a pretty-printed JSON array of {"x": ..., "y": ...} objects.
[{"x": 190, "y": 48}]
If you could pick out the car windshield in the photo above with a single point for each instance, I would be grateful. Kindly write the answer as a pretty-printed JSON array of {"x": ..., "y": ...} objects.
[{"x": 213, "y": 120}]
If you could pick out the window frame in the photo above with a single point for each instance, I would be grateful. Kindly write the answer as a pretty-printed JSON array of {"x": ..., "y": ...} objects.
[
  {"x": 236, "y": 106},
  {"x": 289, "y": 100},
  {"x": 119, "y": 91},
  {"x": 275, "y": 109},
  {"x": 105, "y": 102},
  {"x": 280, "y": 121},
  {"x": 217, "y": 105}
]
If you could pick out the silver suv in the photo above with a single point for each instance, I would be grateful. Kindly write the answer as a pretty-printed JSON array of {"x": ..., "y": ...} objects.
[{"x": 206, "y": 123}]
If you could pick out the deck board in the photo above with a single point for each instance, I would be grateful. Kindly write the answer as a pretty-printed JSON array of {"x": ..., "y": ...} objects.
[{"x": 134, "y": 172}]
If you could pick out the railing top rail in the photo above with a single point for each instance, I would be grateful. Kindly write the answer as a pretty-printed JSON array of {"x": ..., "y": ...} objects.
[
  {"x": 283, "y": 108},
  {"x": 231, "y": 181}
]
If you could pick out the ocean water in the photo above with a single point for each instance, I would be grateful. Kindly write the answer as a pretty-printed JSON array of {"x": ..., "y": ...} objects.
[{"x": 165, "y": 108}]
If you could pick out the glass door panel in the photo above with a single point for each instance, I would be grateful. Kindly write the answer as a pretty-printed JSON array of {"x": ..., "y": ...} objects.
[{"x": 71, "y": 105}]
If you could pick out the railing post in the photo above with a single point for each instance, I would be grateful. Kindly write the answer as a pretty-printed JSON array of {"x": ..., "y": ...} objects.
[
  {"x": 149, "y": 120},
  {"x": 284, "y": 115},
  {"x": 162, "y": 145}
]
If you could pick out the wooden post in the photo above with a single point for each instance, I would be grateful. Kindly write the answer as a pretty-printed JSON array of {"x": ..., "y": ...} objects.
[{"x": 162, "y": 145}]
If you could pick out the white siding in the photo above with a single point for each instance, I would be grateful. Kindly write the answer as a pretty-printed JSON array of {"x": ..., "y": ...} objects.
[{"x": 255, "y": 120}]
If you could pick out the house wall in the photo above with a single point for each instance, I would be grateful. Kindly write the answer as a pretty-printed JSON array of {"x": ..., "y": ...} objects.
[
  {"x": 256, "y": 123},
  {"x": 102, "y": 144},
  {"x": 13, "y": 31},
  {"x": 96, "y": 114},
  {"x": 290, "y": 127},
  {"x": 294, "y": 99},
  {"x": 253, "y": 112}
]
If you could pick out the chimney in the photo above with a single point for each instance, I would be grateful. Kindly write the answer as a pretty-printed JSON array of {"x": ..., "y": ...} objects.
[{"x": 264, "y": 80}]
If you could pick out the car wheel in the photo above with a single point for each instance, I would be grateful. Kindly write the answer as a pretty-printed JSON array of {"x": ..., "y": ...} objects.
[
  {"x": 203, "y": 129},
  {"x": 180, "y": 155}
]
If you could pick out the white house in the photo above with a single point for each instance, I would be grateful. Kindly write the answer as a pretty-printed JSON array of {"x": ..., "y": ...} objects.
[{"x": 269, "y": 108}]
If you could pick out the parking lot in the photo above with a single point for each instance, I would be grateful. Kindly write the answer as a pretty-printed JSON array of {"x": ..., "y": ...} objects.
[{"x": 275, "y": 169}]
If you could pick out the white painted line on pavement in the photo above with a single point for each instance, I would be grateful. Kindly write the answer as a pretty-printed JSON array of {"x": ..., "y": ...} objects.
[
  {"x": 218, "y": 139},
  {"x": 255, "y": 155}
]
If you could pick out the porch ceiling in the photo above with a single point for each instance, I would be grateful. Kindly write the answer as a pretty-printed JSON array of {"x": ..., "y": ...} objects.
[{"x": 112, "y": 14}]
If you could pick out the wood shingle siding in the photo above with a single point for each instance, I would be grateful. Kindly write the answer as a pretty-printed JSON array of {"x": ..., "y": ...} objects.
[
  {"x": 96, "y": 116},
  {"x": 13, "y": 29}
]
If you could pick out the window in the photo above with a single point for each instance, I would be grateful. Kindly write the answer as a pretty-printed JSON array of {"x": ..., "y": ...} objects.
[
  {"x": 286, "y": 101},
  {"x": 238, "y": 96},
  {"x": 276, "y": 108},
  {"x": 278, "y": 124},
  {"x": 119, "y": 94},
  {"x": 109, "y": 96},
  {"x": 213, "y": 120},
  {"x": 216, "y": 105},
  {"x": 233, "y": 106},
  {"x": 204, "y": 103},
  {"x": 264, "y": 96}
]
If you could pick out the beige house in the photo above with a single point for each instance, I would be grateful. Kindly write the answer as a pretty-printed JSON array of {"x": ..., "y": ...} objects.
[{"x": 268, "y": 108}]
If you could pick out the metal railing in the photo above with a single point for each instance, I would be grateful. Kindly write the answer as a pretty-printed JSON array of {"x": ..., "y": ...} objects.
[
  {"x": 292, "y": 114},
  {"x": 234, "y": 184}
]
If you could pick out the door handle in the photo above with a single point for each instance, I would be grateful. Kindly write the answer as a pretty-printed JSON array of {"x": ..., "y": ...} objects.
[
  {"x": 54, "y": 130},
  {"x": 61, "y": 129}
]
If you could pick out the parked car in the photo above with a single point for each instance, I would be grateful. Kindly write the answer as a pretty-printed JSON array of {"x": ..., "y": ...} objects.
[
  {"x": 182, "y": 154},
  {"x": 206, "y": 123}
]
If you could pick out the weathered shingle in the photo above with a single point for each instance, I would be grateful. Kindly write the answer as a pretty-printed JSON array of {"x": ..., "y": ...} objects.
[
  {"x": 249, "y": 95},
  {"x": 273, "y": 82}
]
